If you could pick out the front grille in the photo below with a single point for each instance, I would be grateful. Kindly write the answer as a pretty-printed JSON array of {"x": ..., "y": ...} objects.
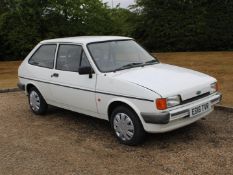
[{"x": 195, "y": 98}]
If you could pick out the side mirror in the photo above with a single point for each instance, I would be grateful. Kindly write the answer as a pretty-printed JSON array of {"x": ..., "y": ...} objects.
[{"x": 86, "y": 70}]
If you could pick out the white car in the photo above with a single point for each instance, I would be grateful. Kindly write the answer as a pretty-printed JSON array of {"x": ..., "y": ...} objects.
[{"x": 115, "y": 79}]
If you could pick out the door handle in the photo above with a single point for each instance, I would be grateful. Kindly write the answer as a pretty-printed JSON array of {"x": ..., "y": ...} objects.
[{"x": 55, "y": 75}]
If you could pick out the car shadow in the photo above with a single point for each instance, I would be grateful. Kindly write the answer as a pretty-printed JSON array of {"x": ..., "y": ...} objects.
[
  {"x": 185, "y": 134},
  {"x": 88, "y": 125}
]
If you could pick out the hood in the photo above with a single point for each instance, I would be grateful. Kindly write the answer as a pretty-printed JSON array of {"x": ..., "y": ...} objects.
[{"x": 168, "y": 80}]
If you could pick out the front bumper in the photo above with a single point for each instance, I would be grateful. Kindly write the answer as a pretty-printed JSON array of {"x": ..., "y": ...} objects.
[{"x": 180, "y": 111}]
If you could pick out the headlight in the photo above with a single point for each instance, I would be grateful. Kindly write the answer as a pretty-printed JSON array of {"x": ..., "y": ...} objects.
[
  {"x": 173, "y": 101},
  {"x": 164, "y": 103},
  {"x": 213, "y": 87}
]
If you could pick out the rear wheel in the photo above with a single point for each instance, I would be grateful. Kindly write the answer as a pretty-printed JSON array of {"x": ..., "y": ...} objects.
[
  {"x": 37, "y": 103},
  {"x": 126, "y": 126}
]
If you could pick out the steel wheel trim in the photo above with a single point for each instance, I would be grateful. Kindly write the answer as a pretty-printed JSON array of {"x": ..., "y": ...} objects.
[
  {"x": 123, "y": 126},
  {"x": 34, "y": 101}
]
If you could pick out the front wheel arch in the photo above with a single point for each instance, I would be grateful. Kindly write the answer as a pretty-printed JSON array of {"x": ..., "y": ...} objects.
[
  {"x": 121, "y": 127},
  {"x": 120, "y": 102}
]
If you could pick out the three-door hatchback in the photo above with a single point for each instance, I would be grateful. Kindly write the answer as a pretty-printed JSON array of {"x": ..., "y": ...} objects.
[{"x": 115, "y": 79}]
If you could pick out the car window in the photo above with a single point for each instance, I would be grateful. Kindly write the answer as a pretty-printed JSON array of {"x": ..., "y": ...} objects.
[
  {"x": 68, "y": 57},
  {"x": 44, "y": 56},
  {"x": 84, "y": 61},
  {"x": 112, "y": 55}
]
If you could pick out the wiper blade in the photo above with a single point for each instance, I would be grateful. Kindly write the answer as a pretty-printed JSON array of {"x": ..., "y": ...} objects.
[
  {"x": 150, "y": 62},
  {"x": 130, "y": 65}
]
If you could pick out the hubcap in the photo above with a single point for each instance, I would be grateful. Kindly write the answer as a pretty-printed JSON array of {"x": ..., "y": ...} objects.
[
  {"x": 123, "y": 126},
  {"x": 34, "y": 101}
]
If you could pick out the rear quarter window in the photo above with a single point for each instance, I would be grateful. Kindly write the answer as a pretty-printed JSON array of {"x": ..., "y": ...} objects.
[{"x": 44, "y": 56}]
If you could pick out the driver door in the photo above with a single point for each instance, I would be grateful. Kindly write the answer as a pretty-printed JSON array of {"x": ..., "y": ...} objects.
[{"x": 70, "y": 89}]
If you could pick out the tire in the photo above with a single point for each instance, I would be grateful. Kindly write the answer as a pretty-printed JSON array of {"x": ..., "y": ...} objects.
[
  {"x": 127, "y": 126},
  {"x": 36, "y": 102}
]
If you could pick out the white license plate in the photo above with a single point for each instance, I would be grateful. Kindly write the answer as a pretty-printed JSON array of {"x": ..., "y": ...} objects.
[{"x": 199, "y": 109}]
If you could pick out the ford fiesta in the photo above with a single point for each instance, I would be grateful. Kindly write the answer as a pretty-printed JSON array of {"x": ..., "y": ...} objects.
[{"x": 115, "y": 79}]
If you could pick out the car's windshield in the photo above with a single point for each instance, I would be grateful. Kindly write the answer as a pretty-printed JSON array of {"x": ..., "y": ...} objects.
[{"x": 117, "y": 55}]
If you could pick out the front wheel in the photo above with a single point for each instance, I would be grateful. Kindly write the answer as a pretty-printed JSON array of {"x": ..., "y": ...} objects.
[
  {"x": 126, "y": 126},
  {"x": 37, "y": 102}
]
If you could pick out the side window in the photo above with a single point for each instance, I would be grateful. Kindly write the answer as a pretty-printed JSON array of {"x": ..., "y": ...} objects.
[
  {"x": 68, "y": 57},
  {"x": 44, "y": 56},
  {"x": 84, "y": 60}
]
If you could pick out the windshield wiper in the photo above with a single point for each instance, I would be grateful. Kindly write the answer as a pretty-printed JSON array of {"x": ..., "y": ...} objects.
[
  {"x": 130, "y": 65},
  {"x": 150, "y": 62}
]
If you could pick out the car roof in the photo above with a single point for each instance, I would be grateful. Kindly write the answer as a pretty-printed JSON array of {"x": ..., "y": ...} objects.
[{"x": 84, "y": 39}]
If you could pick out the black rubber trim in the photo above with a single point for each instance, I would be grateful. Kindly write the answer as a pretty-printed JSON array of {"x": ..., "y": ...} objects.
[
  {"x": 214, "y": 100},
  {"x": 162, "y": 118},
  {"x": 218, "y": 98},
  {"x": 21, "y": 86},
  {"x": 99, "y": 92},
  {"x": 180, "y": 112}
]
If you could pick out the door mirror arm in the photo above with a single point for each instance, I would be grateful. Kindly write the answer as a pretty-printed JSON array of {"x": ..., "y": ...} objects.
[{"x": 86, "y": 70}]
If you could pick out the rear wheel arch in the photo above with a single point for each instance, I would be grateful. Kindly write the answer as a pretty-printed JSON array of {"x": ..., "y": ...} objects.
[
  {"x": 36, "y": 101},
  {"x": 29, "y": 86}
]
